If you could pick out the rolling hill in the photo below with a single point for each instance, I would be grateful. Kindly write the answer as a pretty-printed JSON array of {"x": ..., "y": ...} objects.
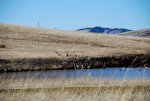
[
  {"x": 30, "y": 42},
  {"x": 31, "y": 48},
  {"x": 138, "y": 33}
]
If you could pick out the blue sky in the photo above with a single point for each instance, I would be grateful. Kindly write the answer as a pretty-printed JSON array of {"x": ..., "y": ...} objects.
[{"x": 75, "y": 14}]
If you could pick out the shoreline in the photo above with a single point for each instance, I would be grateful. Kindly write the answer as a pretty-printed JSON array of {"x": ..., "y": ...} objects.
[{"x": 41, "y": 64}]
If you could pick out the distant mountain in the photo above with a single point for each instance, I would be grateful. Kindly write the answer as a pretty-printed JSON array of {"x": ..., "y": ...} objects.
[
  {"x": 104, "y": 30},
  {"x": 138, "y": 33}
]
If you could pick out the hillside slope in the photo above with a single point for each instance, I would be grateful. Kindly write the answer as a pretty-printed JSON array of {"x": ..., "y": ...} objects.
[
  {"x": 29, "y": 42},
  {"x": 29, "y": 48},
  {"x": 138, "y": 33}
]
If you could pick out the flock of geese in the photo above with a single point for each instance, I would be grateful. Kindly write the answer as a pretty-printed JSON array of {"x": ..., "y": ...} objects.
[{"x": 139, "y": 69}]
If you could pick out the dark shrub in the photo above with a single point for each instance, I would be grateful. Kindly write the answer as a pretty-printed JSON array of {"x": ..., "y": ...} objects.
[{"x": 2, "y": 46}]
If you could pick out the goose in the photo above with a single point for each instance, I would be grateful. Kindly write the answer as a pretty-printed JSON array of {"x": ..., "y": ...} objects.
[
  {"x": 123, "y": 68},
  {"x": 139, "y": 70}
]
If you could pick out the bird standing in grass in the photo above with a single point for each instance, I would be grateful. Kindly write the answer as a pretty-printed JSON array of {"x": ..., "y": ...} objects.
[{"x": 68, "y": 54}]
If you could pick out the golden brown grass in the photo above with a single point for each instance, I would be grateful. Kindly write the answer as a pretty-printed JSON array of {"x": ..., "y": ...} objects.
[
  {"x": 81, "y": 89},
  {"x": 43, "y": 95},
  {"x": 29, "y": 42},
  {"x": 31, "y": 83}
]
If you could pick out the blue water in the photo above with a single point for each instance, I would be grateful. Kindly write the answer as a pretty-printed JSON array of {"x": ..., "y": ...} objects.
[{"x": 94, "y": 74}]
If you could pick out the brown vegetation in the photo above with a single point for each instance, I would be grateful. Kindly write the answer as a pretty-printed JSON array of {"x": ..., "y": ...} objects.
[
  {"x": 74, "y": 63},
  {"x": 79, "y": 89},
  {"x": 42, "y": 49},
  {"x": 138, "y": 33},
  {"x": 2, "y": 46}
]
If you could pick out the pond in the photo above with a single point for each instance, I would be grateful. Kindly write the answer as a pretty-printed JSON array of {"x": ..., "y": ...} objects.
[{"x": 94, "y": 74}]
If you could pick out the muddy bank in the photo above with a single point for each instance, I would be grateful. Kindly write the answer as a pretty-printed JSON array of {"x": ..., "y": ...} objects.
[{"x": 138, "y": 60}]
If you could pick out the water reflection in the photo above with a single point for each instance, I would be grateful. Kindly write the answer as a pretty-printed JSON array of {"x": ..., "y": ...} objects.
[{"x": 94, "y": 74}]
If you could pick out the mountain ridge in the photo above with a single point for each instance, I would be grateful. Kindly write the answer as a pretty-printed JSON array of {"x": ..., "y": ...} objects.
[{"x": 98, "y": 29}]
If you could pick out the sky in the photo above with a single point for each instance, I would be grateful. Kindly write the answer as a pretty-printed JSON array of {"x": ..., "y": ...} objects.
[{"x": 76, "y": 14}]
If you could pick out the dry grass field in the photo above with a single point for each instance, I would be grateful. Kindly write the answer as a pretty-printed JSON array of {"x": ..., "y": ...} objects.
[
  {"x": 81, "y": 89},
  {"x": 138, "y": 33},
  {"x": 28, "y": 42},
  {"x": 30, "y": 48}
]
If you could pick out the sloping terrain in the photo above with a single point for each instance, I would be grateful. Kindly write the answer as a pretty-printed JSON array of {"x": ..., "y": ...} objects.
[
  {"x": 29, "y": 42},
  {"x": 22, "y": 46},
  {"x": 138, "y": 33}
]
